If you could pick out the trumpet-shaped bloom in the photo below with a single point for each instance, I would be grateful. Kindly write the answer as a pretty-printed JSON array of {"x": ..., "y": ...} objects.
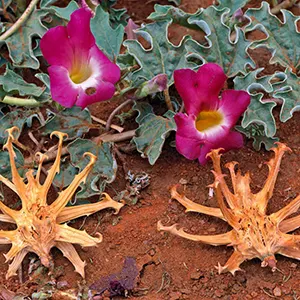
[
  {"x": 209, "y": 120},
  {"x": 80, "y": 73}
]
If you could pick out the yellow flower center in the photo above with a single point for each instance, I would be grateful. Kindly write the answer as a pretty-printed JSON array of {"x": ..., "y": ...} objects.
[
  {"x": 208, "y": 119},
  {"x": 79, "y": 75}
]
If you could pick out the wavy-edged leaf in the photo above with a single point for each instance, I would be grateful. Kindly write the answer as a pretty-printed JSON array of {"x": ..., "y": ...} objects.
[
  {"x": 232, "y": 5},
  {"x": 107, "y": 38},
  {"x": 282, "y": 39},
  {"x": 20, "y": 43},
  {"x": 175, "y": 14},
  {"x": 73, "y": 121},
  {"x": 257, "y": 133},
  {"x": 104, "y": 170},
  {"x": 162, "y": 58},
  {"x": 152, "y": 132},
  {"x": 16, "y": 118},
  {"x": 12, "y": 82},
  {"x": 231, "y": 56},
  {"x": 65, "y": 12},
  {"x": 5, "y": 167},
  {"x": 289, "y": 94},
  {"x": 284, "y": 86}
]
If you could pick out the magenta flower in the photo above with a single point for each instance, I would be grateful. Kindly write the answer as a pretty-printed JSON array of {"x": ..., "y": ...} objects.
[
  {"x": 80, "y": 73},
  {"x": 209, "y": 120}
]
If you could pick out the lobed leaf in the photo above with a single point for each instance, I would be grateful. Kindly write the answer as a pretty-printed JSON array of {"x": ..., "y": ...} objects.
[
  {"x": 16, "y": 118},
  {"x": 162, "y": 58},
  {"x": 12, "y": 82},
  {"x": 282, "y": 39},
  {"x": 107, "y": 38},
  {"x": 20, "y": 43},
  {"x": 152, "y": 132},
  {"x": 104, "y": 170},
  {"x": 257, "y": 133},
  {"x": 231, "y": 56},
  {"x": 232, "y": 5},
  {"x": 73, "y": 121}
]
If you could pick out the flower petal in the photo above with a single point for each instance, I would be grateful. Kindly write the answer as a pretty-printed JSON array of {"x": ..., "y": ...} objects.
[
  {"x": 234, "y": 140},
  {"x": 79, "y": 31},
  {"x": 109, "y": 71},
  {"x": 62, "y": 88},
  {"x": 199, "y": 91},
  {"x": 98, "y": 91},
  {"x": 188, "y": 139},
  {"x": 233, "y": 105},
  {"x": 56, "y": 47}
]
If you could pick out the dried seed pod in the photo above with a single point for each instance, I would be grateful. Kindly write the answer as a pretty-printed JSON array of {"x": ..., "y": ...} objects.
[
  {"x": 40, "y": 226},
  {"x": 254, "y": 233}
]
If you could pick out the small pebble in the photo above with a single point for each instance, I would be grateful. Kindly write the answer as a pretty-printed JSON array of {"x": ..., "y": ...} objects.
[
  {"x": 277, "y": 292},
  {"x": 293, "y": 266},
  {"x": 195, "y": 275},
  {"x": 183, "y": 181}
]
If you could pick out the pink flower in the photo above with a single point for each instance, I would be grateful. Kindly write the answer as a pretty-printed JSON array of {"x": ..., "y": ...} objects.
[
  {"x": 80, "y": 73},
  {"x": 209, "y": 120}
]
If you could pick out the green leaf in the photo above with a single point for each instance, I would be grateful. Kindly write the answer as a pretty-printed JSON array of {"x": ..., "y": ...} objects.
[
  {"x": 289, "y": 94},
  {"x": 152, "y": 132},
  {"x": 284, "y": 86},
  {"x": 104, "y": 170},
  {"x": 12, "y": 82},
  {"x": 257, "y": 133},
  {"x": 174, "y": 14},
  {"x": 282, "y": 39},
  {"x": 231, "y": 56},
  {"x": 65, "y": 12},
  {"x": 108, "y": 39},
  {"x": 5, "y": 168},
  {"x": 162, "y": 58},
  {"x": 143, "y": 109},
  {"x": 15, "y": 118},
  {"x": 232, "y": 5},
  {"x": 20, "y": 43},
  {"x": 260, "y": 112},
  {"x": 73, "y": 121}
]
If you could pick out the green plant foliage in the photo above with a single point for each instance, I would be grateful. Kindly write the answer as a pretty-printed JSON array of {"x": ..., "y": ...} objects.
[
  {"x": 12, "y": 82},
  {"x": 104, "y": 170},
  {"x": 282, "y": 39},
  {"x": 20, "y": 43},
  {"x": 152, "y": 131},
  {"x": 174, "y": 14},
  {"x": 162, "y": 58},
  {"x": 5, "y": 169},
  {"x": 73, "y": 121},
  {"x": 116, "y": 15},
  {"x": 232, "y": 5},
  {"x": 290, "y": 95},
  {"x": 258, "y": 112},
  {"x": 65, "y": 12},
  {"x": 231, "y": 56},
  {"x": 284, "y": 86},
  {"x": 257, "y": 133},
  {"x": 16, "y": 118},
  {"x": 107, "y": 38}
]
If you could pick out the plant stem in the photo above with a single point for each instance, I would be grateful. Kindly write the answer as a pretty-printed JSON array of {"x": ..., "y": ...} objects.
[
  {"x": 20, "y": 21},
  {"x": 283, "y": 5},
  {"x": 168, "y": 99},
  {"x": 118, "y": 137},
  {"x": 116, "y": 127},
  {"x": 115, "y": 111},
  {"x": 20, "y": 101}
]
